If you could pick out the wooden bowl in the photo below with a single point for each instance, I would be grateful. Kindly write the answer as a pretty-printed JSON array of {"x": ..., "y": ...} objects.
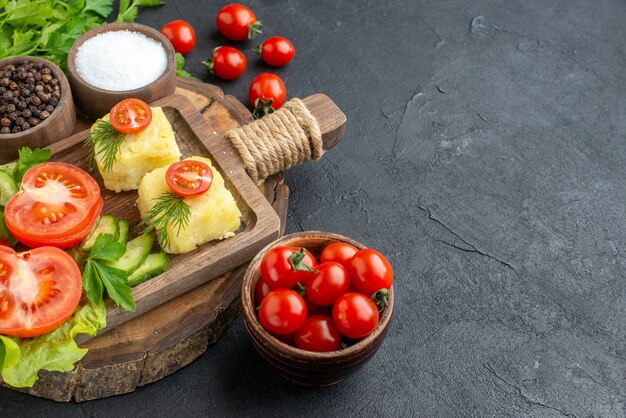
[
  {"x": 95, "y": 102},
  {"x": 58, "y": 125},
  {"x": 304, "y": 367}
]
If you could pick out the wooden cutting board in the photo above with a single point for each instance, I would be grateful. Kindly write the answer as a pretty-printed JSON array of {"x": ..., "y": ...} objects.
[{"x": 169, "y": 336}]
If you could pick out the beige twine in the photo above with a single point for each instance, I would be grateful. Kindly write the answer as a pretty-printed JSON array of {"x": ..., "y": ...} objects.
[{"x": 283, "y": 139}]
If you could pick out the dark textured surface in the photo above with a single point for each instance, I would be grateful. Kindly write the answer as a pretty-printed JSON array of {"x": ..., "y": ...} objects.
[{"x": 485, "y": 155}]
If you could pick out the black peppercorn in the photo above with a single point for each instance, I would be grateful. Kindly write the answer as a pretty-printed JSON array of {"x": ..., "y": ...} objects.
[
  {"x": 5, "y": 130},
  {"x": 29, "y": 93}
]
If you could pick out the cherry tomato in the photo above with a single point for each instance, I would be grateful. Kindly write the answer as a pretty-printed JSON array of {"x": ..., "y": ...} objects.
[
  {"x": 287, "y": 339},
  {"x": 276, "y": 51},
  {"x": 267, "y": 93},
  {"x": 302, "y": 276},
  {"x": 39, "y": 290},
  {"x": 130, "y": 116},
  {"x": 277, "y": 270},
  {"x": 189, "y": 178},
  {"x": 181, "y": 35},
  {"x": 227, "y": 63},
  {"x": 371, "y": 272},
  {"x": 5, "y": 243},
  {"x": 331, "y": 281},
  {"x": 282, "y": 311},
  {"x": 261, "y": 290},
  {"x": 314, "y": 309},
  {"x": 339, "y": 252},
  {"x": 56, "y": 205},
  {"x": 318, "y": 333},
  {"x": 237, "y": 22},
  {"x": 355, "y": 315}
]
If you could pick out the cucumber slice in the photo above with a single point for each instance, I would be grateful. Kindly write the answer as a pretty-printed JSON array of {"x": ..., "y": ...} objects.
[
  {"x": 153, "y": 265},
  {"x": 136, "y": 252},
  {"x": 8, "y": 187},
  {"x": 123, "y": 227},
  {"x": 4, "y": 231},
  {"x": 107, "y": 224}
]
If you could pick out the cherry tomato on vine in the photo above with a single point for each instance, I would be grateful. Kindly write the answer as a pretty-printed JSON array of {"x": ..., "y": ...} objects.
[
  {"x": 189, "y": 178},
  {"x": 355, "y": 315},
  {"x": 266, "y": 94},
  {"x": 331, "y": 281},
  {"x": 276, "y": 51},
  {"x": 237, "y": 22},
  {"x": 339, "y": 252},
  {"x": 181, "y": 35},
  {"x": 282, "y": 311},
  {"x": 318, "y": 333},
  {"x": 277, "y": 267},
  {"x": 371, "y": 272},
  {"x": 130, "y": 116},
  {"x": 227, "y": 63}
]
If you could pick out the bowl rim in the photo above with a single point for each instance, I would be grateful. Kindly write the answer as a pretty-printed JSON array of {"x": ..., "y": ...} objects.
[
  {"x": 251, "y": 278},
  {"x": 66, "y": 93},
  {"x": 114, "y": 27}
]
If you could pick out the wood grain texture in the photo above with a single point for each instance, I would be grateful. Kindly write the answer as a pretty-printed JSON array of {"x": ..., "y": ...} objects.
[
  {"x": 260, "y": 224},
  {"x": 162, "y": 340},
  {"x": 95, "y": 102},
  {"x": 331, "y": 119},
  {"x": 58, "y": 125}
]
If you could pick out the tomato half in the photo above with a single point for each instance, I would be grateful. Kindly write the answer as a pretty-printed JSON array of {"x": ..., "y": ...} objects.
[
  {"x": 371, "y": 271},
  {"x": 267, "y": 90},
  {"x": 130, "y": 116},
  {"x": 237, "y": 22},
  {"x": 181, "y": 35},
  {"x": 276, "y": 51},
  {"x": 278, "y": 272},
  {"x": 70, "y": 240},
  {"x": 331, "y": 281},
  {"x": 57, "y": 200},
  {"x": 282, "y": 311},
  {"x": 189, "y": 178},
  {"x": 318, "y": 333},
  {"x": 355, "y": 315},
  {"x": 39, "y": 290},
  {"x": 339, "y": 252}
]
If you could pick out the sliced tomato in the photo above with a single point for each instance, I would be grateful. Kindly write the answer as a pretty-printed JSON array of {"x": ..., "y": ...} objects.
[
  {"x": 39, "y": 290},
  {"x": 130, "y": 116},
  {"x": 67, "y": 241},
  {"x": 189, "y": 178},
  {"x": 57, "y": 200}
]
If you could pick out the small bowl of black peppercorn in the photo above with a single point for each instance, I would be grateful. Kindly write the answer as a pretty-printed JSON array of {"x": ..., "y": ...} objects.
[{"x": 36, "y": 105}]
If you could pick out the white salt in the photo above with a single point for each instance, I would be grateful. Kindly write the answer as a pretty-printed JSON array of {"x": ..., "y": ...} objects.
[{"x": 120, "y": 60}]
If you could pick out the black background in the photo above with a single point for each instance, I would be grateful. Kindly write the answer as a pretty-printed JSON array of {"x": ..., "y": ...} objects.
[{"x": 485, "y": 155}]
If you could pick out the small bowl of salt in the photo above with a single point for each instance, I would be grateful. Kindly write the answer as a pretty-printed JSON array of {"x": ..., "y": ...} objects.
[{"x": 120, "y": 60}]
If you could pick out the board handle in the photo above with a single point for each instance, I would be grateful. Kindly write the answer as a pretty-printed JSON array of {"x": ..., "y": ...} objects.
[{"x": 300, "y": 131}]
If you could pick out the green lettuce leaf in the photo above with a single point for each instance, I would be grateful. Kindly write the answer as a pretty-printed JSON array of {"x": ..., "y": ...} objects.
[{"x": 22, "y": 359}]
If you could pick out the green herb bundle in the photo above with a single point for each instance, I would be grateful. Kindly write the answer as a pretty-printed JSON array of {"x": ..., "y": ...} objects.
[{"x": 48, "y": 28}]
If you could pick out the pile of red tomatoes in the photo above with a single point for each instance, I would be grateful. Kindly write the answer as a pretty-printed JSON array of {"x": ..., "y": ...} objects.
[{"x": 322, "y": 306}]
